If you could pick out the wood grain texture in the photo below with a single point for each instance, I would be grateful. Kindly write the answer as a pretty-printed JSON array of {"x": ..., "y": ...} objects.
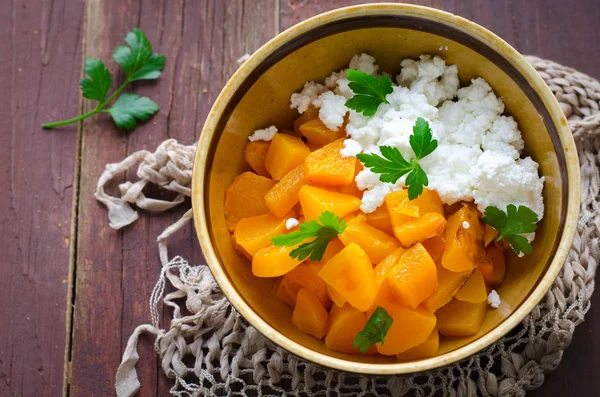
[{"x": 40, "y": 44}]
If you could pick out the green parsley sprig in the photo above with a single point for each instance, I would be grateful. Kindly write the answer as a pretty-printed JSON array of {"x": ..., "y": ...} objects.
[
  {"x": 369, "y": 91},
  {"x": 139, "y": 63},
  {"x": 374, "y": 331},
  {"x": 512, "y": 224},
  {"x": 392, "y": 166},
  {"x": 330, "y": 226}
]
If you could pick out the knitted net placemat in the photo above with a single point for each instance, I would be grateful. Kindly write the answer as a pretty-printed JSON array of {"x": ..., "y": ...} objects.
[{"x": 210, "y": 350}]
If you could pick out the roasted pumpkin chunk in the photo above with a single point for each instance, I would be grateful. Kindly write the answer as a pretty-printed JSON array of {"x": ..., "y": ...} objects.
[
  {"x": 473, "y": 290},
  {"x": 429, "y": 201},
  {"x": 344, "y": 324},
  {"x": 306, "y": 276},
  {"x": 383, "y": 268},
  {"x": 282, "y": 197},
  {"x": 245, "y": 197},
  {"x": 335, "y": 296},
  {"x": 273, "y": 261},
  {"x": 435, "y": 246},
  {"x": 464, "y": 240},
  {"x": 255, "y": 154},
  {"x": 448, "y": 285},
  {"x": 420, "y": 229},
  {"x": 380, "y": 218},
  {"x": 327, "y": 166},
  {"x": 401, "y": 209},
  {"x": 315, "y": 201},
  {"x": 285, "y": 153},
  {"x": 351, "y": 188},
  {"x": 429, "y": 348},
  {"x": 309, "y": 315},
  {"x": 489, "y": 235},
  {"x": 311, "y": 113},
  {"x": 460, "y": 318},
  {"x": 373, "y": 241},
  {"x": 493, "y": 267},
  {"x": 317, "y": 133},
  {"x": 256, "y": 232},
  {"x": 333, "y": 248}
]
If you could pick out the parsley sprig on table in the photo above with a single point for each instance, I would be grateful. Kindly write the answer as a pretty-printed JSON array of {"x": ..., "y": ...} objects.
[
  {"x": 369, "y": 91},
  {"x": 330, "y": 226},
  {"x": 512, "y": 224},
  {"x": 139, "y": 63},
  {"x": 392, "y": 166},
  {"x": 374, "y": 331}
]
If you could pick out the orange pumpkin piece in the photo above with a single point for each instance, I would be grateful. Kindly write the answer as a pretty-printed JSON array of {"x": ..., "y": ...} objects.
[
  {"x": 489, "y": 235},
  {"x": 283, "y": 293},
  {"x": 473, "y": 290},
  {"x": 273, "y": 261},
  {"x": 401, "y": 209},
  {"x": 344, "y": 324},
  {"x": 335, "y": 296},
  {"x": 380, "y": 218},
  {"x": 284, "y": 195},
  {"x": 256, "y": 232},
  {"x": 255, "y": 154},
  {"x": 383, "y": 268},
  {"x": 435, "y": 246},
  {"x": 317, "y": 133},
  {"x": 327, "y": 166},
  {"x": 460, "y": 318},
  {"x": 464, "y": 247},
  {"x": 429, "y": 348},
  {"x": 239, "y": 248},
  {"x": 429, "y": 201},
  {"x": 309, "y": 316},
  {"x": 311, "y": 113},
  {"x": 414, "y": 278},
  {"x": 315, "y": 201},
  {"x": 410, "y": 328},
  {"x": 420, "y": 229},
  {"x": 285, "y": 153},
  {"x": 493, "y": 267},
  {"x": 351, "y": 188},
  {"x": 306, "y": 276},
  {"x": 448, "y": 285},
  {"x": 333, "y": 248},
  {"x": 376, "y": 243},
  {"x": 245, "y": 197},
  {"x": 351, "y": 274}
]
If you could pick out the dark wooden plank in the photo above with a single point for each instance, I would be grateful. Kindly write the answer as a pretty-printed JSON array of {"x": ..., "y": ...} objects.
[
  {"x": 40, "y": 44},
  {"x": 566, "y": 32}
]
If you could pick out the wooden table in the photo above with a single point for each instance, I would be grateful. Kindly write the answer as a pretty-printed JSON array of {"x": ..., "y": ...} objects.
[{"x": 72, "y": 289}]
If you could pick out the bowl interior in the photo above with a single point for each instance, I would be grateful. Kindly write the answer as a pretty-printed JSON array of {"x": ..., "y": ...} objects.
[{"x": 263, "y": 100}]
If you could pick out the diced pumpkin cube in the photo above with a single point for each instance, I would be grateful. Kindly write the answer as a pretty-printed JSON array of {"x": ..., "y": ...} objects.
[
  {"x": 380, "y": 218},
  {"x": 464, "y": 246},
  {"x": 306, "y": 276},
  {"x": 255, "y": 154},
  {"x": 351, "y": 274},
  {"x": 256, "y": 232},
  {"x": 284, "y": 195},
  {"x": 410, "y": 328},
  {"x": 414, "y": 278},
  {"x": 309, "y": 315},
  {"x": 489, "y": 235},
  {"x": 373, "y": 241},
  {"x": 460, "y": 318},
  {"x": 473, "y": 290},
  {"x": 435, "y": 246},
  {"x": 245, "y": 197},
  {"x": 273, "y": 261},
  {"x": 315, "y": 201},
  {"x": 344, "y": 324},
  {"x": 311, "y": 113},
  {"x": 429, "y": 348},
  {"x": 283, "y": 293},
  {"x": 493, "y": 267},
  {"x": 239, "y": 248},
  {"x": 285, "y": 153},
  {"x": 335, "y": 296},
  {"x": 383, "y": 268},
  {"x": 429, "y": 201},
  {"x": 401, "y": 209},
  {"x": 351, "y": 188},
  {"x": 327, "y": 166},
  {"x": 420, "y": 229},
  {"x": 333, "y": 248},
  {"x": 317, "y": 133},
  {"x": 448, "y": 285}
]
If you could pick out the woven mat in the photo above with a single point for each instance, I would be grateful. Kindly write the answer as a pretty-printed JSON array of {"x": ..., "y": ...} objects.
[{"x": 209, "y": 349}]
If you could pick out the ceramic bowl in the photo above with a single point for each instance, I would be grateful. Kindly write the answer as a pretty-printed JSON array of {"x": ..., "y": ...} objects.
[{"x": 258, "y": 96}]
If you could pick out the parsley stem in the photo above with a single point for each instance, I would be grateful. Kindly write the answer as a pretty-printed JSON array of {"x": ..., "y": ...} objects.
[{"x": 70, "y": 121}]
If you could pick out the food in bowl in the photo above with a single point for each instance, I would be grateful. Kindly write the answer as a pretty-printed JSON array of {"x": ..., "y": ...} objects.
[{"x": 384, "y": 215}]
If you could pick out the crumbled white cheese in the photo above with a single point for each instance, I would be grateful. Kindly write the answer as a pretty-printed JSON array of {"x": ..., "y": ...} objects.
[
  {"x": 351, "y": 148},
  {"x": 364, "y": 63},
  {"x": 333, "y": 109},
  {"x": 431, "y": 77},
  {"x": 263, "y": 135},
  {"x": 301, "y": 101},
  {"x": 494, "y": 299},
  {"x": 291, "y": 223},
  {"x": 466, "y": 225}
]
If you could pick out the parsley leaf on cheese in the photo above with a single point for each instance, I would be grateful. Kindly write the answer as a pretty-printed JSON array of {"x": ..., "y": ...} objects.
[
  {"x": 374, "y": 331},
  {"x": 512, "y": 224},
  {"x": 369, "y": 91},
  {"x": 391, "y": 165},
  {"x": 329, "y": 227}
]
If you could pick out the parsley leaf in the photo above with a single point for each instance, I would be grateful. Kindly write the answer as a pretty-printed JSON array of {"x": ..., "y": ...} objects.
[
  {"x": 391, "y": 165},
  {"x": 139, "y": 63},
  {"x": 331, "y": 225},
  {"x": 512, "y": 224},
  {"x": 374, "y": 331},
  {"x": 369, "y": 91}
]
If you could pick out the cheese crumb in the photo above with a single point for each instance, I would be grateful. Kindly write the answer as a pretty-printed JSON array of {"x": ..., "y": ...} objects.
[
  {"x": 333, "y": 109},
  {"x": 301, "y": 101},
  {"x": 351, "y": 148},
  {"x": 291, "y": 223},
  {"x": 466, "y": 225},
  {"x": 263, "y": 135},
  {"x": 494, "y": 299}
]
